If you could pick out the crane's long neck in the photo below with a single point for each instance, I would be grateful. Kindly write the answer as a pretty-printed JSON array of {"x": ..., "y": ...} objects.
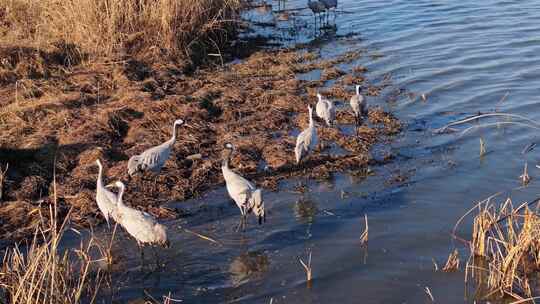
[
  {"x": 357, "y": 90},
  {"x": 120, "y": 203},
  {"x": 100, "y": 176},
  {"x": 173, "y": 138},
  {"x": 225, "y": 162},
  {"x": 311, "y": 117}
]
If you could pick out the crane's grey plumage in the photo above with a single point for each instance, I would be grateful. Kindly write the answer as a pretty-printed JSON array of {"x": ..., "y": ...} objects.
[
  {"x": 140, "y": 225},
  {"x": 306, "y": 140},
  {"x": 105, "y": 199},
  {"x": 154, "y": 158},
  {"x": 325, "y": 110},
  {"x": 246, "y": 196},
  {"x": 317, "y": 7},
  {"x": 359, "y": 106}
]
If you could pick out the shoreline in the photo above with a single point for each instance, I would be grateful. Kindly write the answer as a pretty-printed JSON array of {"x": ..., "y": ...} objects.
[{"x": 113, "y": 111}]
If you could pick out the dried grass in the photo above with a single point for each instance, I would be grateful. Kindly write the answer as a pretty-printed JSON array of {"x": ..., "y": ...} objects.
[
  {"x": 106, "y": 27},
  {"x": 452, "y": 264},
  {"x": 365, "y": 235},
  {"x": 504, "y": 250},
  {"x": 43, "y": 273},
  {"x": 308, "y": 269}
]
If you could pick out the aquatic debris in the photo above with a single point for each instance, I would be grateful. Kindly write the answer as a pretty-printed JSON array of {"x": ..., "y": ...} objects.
[
  {"x": 430, "y": 295},
  {"x": 435, "y": 265},
  {"x": 3, "y": 174},
  {"x": 525, "y": 178},
  {"x": 364, "y": 236},
  {"x": 528, "y": 148},
  {"x": 452, "y": 264},
  {"x": 204, "y": 237},
  {"x": 308, "y": 269},
  {"x": 482, "y": 147},
  {"x": 530, "y": 123}
]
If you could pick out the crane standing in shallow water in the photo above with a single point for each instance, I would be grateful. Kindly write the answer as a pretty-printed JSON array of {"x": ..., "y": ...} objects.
[
  {"x": 245, "y": 195},
  {"x": 105, "y": 199},
  {"x": 142, "y": 226},
  {"x": 306, "y": 140},
  {"x": 359, "y": 106},
  {"x": 154, "y": 158}
]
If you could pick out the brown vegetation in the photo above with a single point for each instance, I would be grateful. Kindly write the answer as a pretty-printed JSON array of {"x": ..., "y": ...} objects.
[
  {"x": 78, "y": 96},
  {"x": 505, "y": 251},
  {"x": 43, "y": 273}
]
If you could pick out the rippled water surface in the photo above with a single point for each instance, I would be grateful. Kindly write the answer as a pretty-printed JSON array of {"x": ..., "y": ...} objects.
[{"x": 465, "y": 56}]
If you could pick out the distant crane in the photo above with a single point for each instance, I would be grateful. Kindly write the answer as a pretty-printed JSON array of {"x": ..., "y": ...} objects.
[
  {"x": 359, "y": 106},
  {"x": 245, "y": 195},
  {"x": 325, "y": 110},
  {"x": 306, "y": 140},
  {"x": 105, "y": 199},
  {"x": 140, "y": 225},
  {"x": 154, "y": 158},
  {"x": 317, "y": 7}
]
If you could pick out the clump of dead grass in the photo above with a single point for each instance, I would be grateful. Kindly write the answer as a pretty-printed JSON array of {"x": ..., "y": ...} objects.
[
  {"x": 504, "y": 250},
  {"x": 106, "y": 27},
  {"x": 41, "y": 272}
]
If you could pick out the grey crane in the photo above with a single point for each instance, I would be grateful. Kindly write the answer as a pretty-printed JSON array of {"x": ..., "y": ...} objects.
[
  {"x": 140, "y": 225},
  {"x": 325, "y": 110},
  {"x": 306, "y": 140},
  {"x": 154, "y": 158},
  {"x": 359, "y": 106},
  {"x": 105, "y": 199},
  {"x": 246, "y": 196},
  {"x": 317, "y": 7}
]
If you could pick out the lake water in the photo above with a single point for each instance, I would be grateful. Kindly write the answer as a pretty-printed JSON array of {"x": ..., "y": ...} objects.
[{"x": 465, "y": 56}]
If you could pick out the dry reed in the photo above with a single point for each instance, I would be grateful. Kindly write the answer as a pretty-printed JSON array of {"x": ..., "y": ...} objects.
[
  {"x": 482, "y": 147},
  {"x": 365, "y": 235},
  {"x": 105, "y": 27},
  {"x": 43, "y": 273},
  {"x": 308, "y": 269},
  {"x": 452, "y": 264},
  {"x": 504, "y": 250},
  {"x": 3, "y": 174}
]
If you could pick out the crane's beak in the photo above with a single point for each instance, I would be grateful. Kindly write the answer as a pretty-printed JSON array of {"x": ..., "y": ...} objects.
[{"x": 109, "y": 186}]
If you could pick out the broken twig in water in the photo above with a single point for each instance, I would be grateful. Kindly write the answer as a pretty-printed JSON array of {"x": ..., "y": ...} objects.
[
  {"x": 525, "y": 178},
  {"x": 452, "y": 264},
  {"x": 528, "y": 148},
  {"x": 428, "y": 292},
  {"x": 482, "y": 147},
  {"x": 307, "y": 268},
  {"x": 365, "y": 234},
  {"x": 204, "y": 237},
  {"x": 466, "y": 120}
]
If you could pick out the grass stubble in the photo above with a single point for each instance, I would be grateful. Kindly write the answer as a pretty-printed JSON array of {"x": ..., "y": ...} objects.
[{"x": 504, "y": 249}]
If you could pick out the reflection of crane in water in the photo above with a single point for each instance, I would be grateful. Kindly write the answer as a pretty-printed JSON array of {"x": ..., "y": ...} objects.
[{"x": 247, "y": 265}]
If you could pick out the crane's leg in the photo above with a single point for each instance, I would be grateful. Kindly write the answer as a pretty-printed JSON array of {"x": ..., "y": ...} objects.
[
  {"x": 141, "y": 251},
  {"x": 156, "y": 256}
]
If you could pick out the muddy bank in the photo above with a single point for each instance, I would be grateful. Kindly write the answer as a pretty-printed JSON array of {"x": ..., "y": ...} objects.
[{"x": 114, "y": 110}]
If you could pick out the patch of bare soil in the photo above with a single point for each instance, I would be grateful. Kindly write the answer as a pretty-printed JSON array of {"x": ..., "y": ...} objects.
[{"x": 70, "y": 115}]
